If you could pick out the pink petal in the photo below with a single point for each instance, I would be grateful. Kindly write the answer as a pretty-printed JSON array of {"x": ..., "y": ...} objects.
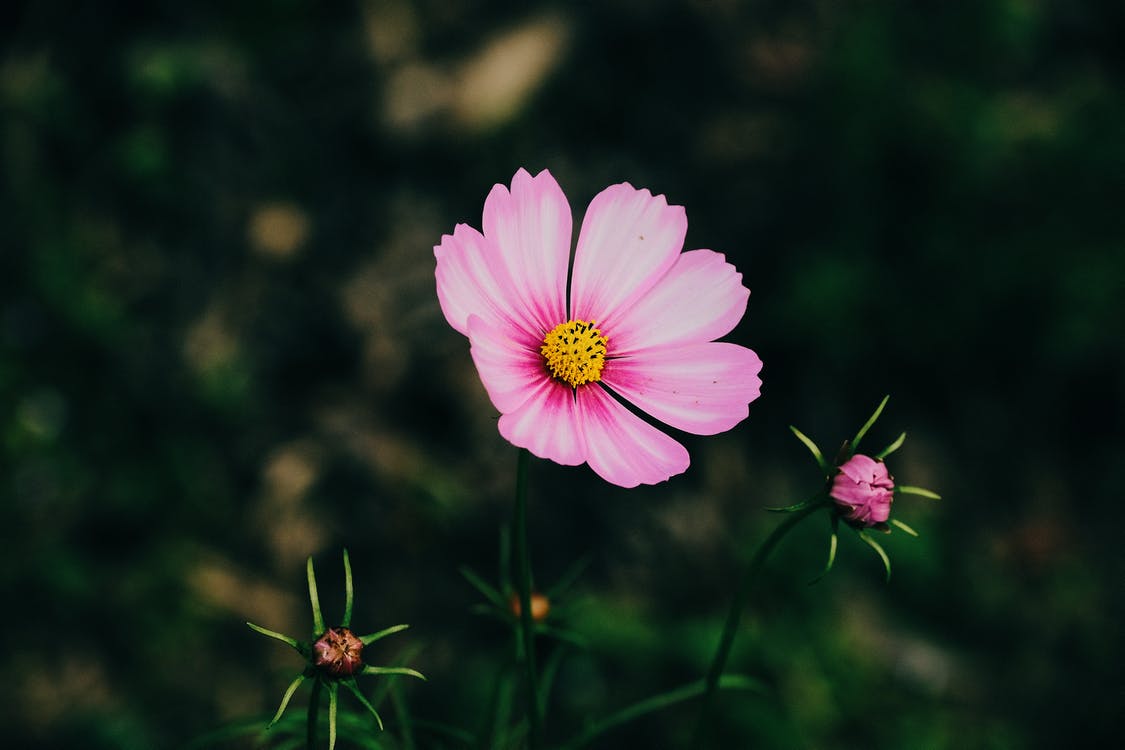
[
  {"x": 699, "y": 388},
  {"x": 466, "y": 284},
  {"x": 700, "y": 299},
  {"x": 508, "y": 361},
  {"x": 530, "y": 228},
  {"x": 622, "y": 448},
  {"x": 547, "y": 424},
  {"x": 629, "y": 239}
]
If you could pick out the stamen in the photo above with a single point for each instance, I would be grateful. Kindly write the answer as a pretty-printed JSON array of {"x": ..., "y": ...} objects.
[{"x": 574, "y": 352}]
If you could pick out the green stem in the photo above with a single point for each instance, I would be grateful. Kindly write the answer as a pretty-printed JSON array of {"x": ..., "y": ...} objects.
[
  {"x": 524, "y": 585},
  {"x": 745, "y": 584},
  {"x": 314, "y": 711}
]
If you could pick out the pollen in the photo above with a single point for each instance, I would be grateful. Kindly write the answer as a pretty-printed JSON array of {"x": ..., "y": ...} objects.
[{"x": 574, "y": 352}]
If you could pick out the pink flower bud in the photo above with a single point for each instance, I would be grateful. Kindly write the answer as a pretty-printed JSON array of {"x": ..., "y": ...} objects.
[
  {"x": 864, "y": 490},
  {"x": 338, "y": 653}
]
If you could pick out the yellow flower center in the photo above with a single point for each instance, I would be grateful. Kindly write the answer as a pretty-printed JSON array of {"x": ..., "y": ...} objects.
[{"x": 574, "y": 352}]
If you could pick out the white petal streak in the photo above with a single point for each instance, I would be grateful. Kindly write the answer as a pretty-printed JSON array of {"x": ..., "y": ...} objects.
[
  {"x": 629, "y": 240},
  {"x": 622, "y": 448},
  {"x": 700, "y": 299},
  {"x": 704, "y": 389}
]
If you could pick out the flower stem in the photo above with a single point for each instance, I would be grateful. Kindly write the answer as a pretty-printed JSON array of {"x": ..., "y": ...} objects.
[
  {"x": 742, "y": 594},
  {"x": 524, "y": 585},
  {"x": 314, "y": 711}
]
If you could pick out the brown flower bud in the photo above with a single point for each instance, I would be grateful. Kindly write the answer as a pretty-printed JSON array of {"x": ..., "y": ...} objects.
[
  {"x": 338, "y": 653},
  {"x": 540, "y": 606}
]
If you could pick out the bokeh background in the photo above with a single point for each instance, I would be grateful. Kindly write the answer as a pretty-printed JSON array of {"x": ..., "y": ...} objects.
[{"x": 221, "y": 352}]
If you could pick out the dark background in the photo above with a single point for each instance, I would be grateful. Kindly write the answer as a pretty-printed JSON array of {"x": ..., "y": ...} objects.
[{"x": 221, "y": 352}]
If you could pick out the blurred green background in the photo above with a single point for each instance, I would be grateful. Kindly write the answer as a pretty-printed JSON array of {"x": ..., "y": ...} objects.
[{"x": 221, "y": 352}]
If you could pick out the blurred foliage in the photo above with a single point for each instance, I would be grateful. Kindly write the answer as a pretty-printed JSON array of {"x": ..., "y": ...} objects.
[{"x": 220, "y": 352}]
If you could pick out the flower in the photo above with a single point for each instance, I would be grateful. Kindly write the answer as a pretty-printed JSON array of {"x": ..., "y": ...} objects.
[
  {"x": 863, "y": 491},
  {"x": 640, "y": 325},
  {"x": 334, "y": 658}
]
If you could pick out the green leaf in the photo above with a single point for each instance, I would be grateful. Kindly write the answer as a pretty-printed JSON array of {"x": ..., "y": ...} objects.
[
  {"x": 283, "y": 638},
  {"x": 904, "y": 489},
  {"x": 879, "y": 551},
  {"x": 833, "y": 542},
  {"x": 285, "y": 699},
  {"x": 349, "y": 594},
  {"x": 891, "y": 448},
  {"x": 394, "y": 670},
  {"x": 483, "y": 587},
  {"x": 818, "y": 498},
  {"x": 820, "y": 460},
  {"x": 867, "y": 425},
  {"x": 333, "y": 700},
  {"x": 904, "y": 527},
  {"x": 351, "y": 685},
  {"x": 369, "y": 639},
  {"x": 568, "y": 578},
  {"x": 314, "y": 599}
]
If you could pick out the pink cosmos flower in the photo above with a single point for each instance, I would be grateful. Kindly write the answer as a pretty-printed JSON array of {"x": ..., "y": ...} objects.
[
  {"x": 639, "y": 325},
  {"x": 864, "y": 490}
]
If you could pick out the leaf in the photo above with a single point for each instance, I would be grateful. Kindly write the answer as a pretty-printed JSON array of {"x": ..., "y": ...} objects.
[
  {"x": 891, "y": 448},
  {"x": 369, "y": 639},
  {"x": 813, "y": 449},
  {"x": 867, "y": 425},
  {"x": 351, "y": 685},
  {"x": 904, "y": 489},
  {"x": 283, "y": 638},
  {"x": 882, "y": 553},
  {"x": 483, "y": 587},
  {"x": 394, "y": 670},
  {"x": 904, "y": 527},
  {"x": 348, "y": 591},
  {"x": 832, "y": 544},
  {"x": 314, "y": 599},
  {"x": 285, "y": 699}
]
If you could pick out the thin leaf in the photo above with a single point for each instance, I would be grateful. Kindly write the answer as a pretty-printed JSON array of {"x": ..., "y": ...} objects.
[
  {"x": 367, "y": 640},
  {"x": 483, "y": 587},
  {"x": 285, "y": 699},
  {"x": 867, "y": 425},
  {"x": 314, "y": 599},
  {"x": 656, "y": 703},
  {"x": 817, "y": 498},
  {"x": 904, "y": 489},
  {"x": 904, "y": 527},
  {"x": 349, "y": 593},
  {"x": 833, "y": 542},
  {"x": 891, "y": 448},
  {"x": 283, "y": 638},
  {"x": 333, "y": 700},
  {"x": 568, "y": 578},
  {"x": 506, "y": 560},
  {"x": 820, "y": 461},
  {"x": 879, "y": 551},
  {"x": 351, "y": 685},
  {"x": 394, "y": 670}
]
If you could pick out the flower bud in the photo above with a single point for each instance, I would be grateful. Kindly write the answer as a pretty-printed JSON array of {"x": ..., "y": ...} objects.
[
  {"x": 338, "y": 653},
  {"x": 540, "y": 606},
  {"x": 863, "y": 490}
]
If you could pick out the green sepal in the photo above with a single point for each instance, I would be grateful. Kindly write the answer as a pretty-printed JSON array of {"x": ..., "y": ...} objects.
[
  {"x": 369, "y": 639},
  {"x": 283, "y": 638},
  {"x": 833, "y": 543},
  {"x": 349, "y": 593},
  {"x": 882, "y": 553},
  {"x": 814, "y": 500},
  {"x": 483, "y": 587},
  {"x": 899, "y": 524},
  {"x": 891, "y": 448},
  {"x": 351, "y": 685},
  {"x": 813, "y": 449},
  {"x": 333, "y": 700},
  {"x": 314, "y": 600},
  {"x": 904, "y": 489},
  {"x": 285, "y": 699},
  {"x": 867, "y": 425},
  {"x": 395, "y": 670}
]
